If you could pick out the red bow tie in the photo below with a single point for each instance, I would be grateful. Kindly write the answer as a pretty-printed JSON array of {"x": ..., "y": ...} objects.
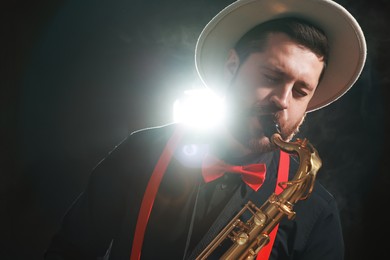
[{"x": 253, "y": 174}]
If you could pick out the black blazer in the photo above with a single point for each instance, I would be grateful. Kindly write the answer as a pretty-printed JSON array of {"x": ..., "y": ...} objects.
[{"x": 101, "y": 222}]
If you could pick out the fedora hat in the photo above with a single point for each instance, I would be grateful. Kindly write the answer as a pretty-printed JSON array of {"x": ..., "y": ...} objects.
[{"x": 347, "y": 45}]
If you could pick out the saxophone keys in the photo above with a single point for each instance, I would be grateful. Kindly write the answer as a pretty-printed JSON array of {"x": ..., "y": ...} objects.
[
  {"x": 242, "y": 238},
  {"x": 260, "y": 218}
]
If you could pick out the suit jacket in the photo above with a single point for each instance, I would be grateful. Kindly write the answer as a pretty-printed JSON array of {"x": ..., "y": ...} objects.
[{"x": 101, "y": 222}]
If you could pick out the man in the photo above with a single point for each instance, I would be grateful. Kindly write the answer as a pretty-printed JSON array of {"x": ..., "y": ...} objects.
[{"x": 151, "y": 198}]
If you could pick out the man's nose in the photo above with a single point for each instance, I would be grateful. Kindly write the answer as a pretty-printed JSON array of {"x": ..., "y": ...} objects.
[{"x": 281, "y": 96}]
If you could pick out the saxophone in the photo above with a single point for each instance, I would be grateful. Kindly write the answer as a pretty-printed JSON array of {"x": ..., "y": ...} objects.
[{"x": 249, "y": 237}]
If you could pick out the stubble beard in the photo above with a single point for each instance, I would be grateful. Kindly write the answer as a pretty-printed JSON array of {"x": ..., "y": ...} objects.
[{"x": 262, "y": 144}]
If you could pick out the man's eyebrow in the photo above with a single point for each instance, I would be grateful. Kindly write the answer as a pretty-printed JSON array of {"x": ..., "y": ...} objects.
[{"x": 273, "y": 69}]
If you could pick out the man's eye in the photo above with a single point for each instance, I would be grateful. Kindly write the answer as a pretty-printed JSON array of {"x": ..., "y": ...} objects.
[
  {"x": 271, "y": 79},
  {"x": 299, "y": 92}
]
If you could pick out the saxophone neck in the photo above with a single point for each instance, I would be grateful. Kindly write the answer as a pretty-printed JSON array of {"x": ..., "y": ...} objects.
[
  {"x": 309, "y": 164},
  {"x": 302, "y": 147}
]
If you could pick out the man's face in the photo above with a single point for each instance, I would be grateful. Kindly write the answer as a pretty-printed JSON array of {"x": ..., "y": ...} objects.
[{"x": 276, "y": 83}]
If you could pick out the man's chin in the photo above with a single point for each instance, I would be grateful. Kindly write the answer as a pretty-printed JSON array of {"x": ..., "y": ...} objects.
[{"x": 261, "y": 145}]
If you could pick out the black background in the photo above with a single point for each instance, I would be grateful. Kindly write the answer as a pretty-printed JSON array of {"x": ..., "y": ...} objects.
[{"x": 78, "y": 76}]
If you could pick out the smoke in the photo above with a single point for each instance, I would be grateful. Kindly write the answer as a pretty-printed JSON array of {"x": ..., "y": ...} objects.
[{"x": 100, "y": 69}]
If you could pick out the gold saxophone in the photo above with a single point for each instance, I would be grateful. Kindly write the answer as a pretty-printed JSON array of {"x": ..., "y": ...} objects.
[{"x": 251, "y": 236}]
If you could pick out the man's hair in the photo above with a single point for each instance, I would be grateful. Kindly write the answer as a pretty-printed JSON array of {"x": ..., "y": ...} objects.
[{"x": 297, "y": 29}]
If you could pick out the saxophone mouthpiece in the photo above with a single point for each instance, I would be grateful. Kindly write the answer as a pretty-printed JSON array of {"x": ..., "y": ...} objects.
[{"x": 270, "y": 125}]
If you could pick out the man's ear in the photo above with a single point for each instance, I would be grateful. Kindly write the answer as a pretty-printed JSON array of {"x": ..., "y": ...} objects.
[{"x": 232, "y": 64}]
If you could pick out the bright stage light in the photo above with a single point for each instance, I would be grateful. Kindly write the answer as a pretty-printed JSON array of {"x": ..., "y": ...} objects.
[{"x": 199, "y": 108}]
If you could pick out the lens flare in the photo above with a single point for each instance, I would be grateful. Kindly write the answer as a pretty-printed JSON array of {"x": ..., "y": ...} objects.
[{"x": 200, "y": 109}]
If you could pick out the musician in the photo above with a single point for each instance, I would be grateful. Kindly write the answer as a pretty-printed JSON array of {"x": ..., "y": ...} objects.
[{"x": 159, "y": 194}]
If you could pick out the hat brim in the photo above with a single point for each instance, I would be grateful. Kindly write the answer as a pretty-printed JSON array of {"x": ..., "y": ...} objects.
[{"x": 347, "y": 44}]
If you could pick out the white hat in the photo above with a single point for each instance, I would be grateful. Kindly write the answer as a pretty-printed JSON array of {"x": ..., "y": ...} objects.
[{"x": 347, "y": 45}]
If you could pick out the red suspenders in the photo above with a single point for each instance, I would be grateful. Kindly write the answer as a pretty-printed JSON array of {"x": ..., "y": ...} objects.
[
  {"x": 284, "y": 165},
  {"x": 150, "y": 194}
]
